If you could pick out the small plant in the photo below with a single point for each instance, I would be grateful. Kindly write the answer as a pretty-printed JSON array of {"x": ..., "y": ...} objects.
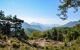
[{"x": 15, "y": 45}]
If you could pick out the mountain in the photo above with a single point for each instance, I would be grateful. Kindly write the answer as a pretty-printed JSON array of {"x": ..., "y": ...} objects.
[
  {"x": 37, "y": 26},
  {"x": 71, "y": 24},
  {"x": 44, "y": 27},
  {"x": 28, "y": 28},
  {"x": 26, "y": 25}
]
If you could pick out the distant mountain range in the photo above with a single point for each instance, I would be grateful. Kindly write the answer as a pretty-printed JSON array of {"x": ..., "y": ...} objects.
[
  {"x": 71, "y": 24},
  {"x": 37, "y": 26},
  {"x": 43, "y": 27}
]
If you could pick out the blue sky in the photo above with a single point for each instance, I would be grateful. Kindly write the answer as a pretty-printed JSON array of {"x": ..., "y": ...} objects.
[{"x": 40, "y": 11}]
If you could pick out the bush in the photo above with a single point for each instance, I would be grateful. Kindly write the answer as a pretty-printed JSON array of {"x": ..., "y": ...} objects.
[{"x": 15, "y": 45}]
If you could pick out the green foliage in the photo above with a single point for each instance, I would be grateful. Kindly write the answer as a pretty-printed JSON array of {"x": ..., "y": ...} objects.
[
  {"x": 37, "y": 34},
  {"x": 59, "y": 34},
  {"x": 67, "y": 4},
  {"x": 70, "y": 37},
  {"x": 15, "y": 45},
  {"x": 11, "y": 26}
]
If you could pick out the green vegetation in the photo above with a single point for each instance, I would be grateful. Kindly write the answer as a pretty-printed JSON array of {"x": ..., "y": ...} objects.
[
  {"x": 59, "y": 34},
  {"x": 66, "y": 5},
  {"x": 12, "y": 36},
  {"x": 69, "y": 36}
]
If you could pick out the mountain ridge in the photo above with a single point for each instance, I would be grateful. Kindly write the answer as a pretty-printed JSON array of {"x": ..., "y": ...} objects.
[
  {"x": 43, "y": 27},
  {"x": 71, "y": 24},
  {"x": 38, "y": 26}
]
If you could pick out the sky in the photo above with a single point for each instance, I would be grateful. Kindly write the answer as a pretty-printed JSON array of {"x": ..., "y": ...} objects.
[{"x": 39, "y": 11}]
